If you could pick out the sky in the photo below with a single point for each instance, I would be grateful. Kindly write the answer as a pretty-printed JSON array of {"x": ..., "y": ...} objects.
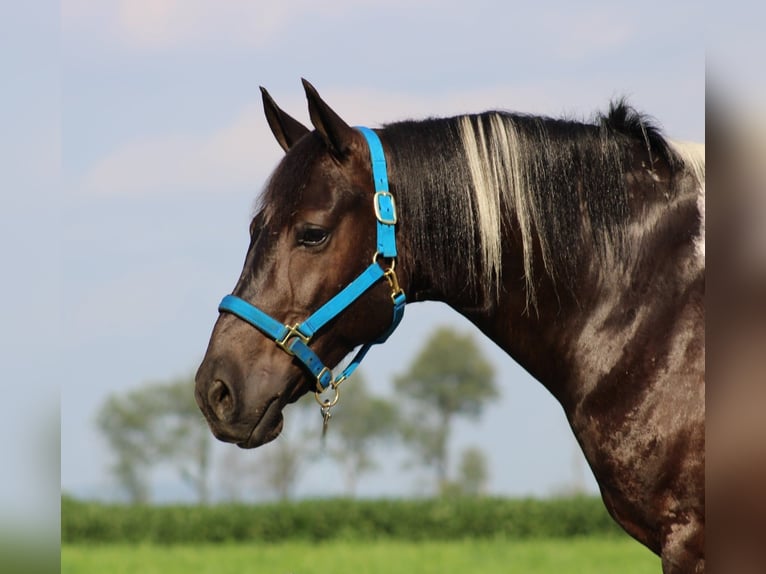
[{"x": 156, "y": 142}]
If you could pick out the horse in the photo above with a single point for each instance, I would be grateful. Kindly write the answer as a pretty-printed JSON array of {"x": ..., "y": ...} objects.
[{"x": 576, "y": 246}]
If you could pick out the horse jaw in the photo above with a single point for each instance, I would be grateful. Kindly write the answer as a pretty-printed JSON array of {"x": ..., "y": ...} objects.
[{"x": 267, "y": 428}]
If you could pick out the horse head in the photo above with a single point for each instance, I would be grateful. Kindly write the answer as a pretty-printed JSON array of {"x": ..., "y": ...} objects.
[{"x": 313, "y": 234}]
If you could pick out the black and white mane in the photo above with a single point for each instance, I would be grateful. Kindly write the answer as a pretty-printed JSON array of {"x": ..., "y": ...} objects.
[{"x": 563, "y": 184}]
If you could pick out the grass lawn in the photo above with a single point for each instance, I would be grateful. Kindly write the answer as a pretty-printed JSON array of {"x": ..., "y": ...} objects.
[{"x": 576, "y": 556}]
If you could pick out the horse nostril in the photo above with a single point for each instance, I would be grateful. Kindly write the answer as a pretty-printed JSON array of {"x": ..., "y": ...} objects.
[{"x": 221, "y": 399}]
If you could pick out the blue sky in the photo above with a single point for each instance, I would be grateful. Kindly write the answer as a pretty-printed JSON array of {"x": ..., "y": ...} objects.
[{"x": 163, "y": 149}]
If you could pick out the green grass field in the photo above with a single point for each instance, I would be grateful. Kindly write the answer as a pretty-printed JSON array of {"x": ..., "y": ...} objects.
[{"x": 576, "y": 556}]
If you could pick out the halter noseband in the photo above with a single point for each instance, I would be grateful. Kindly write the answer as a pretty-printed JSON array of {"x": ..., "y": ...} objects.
[{"x": 295, "y": 339}]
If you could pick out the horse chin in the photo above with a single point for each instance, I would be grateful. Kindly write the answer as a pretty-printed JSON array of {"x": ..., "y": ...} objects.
[{"x": 266, "y": 429}]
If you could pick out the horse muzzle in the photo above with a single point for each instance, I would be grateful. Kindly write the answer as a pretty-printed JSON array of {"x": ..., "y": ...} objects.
[{"x": 243, "y": 409}]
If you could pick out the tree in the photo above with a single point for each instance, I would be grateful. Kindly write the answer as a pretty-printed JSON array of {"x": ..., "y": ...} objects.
[
  {"x": 274, "y": 469},
  {"x": 158, "y": 423},
  {"x": 449, "y": 378},
  {"x": 124, "y": 422},
  {"x": 360, "y": 420},
  {"x": 182, "y": 435},
  {"x": 473, "y": 472},
  {"x": 280, "y": 464}
]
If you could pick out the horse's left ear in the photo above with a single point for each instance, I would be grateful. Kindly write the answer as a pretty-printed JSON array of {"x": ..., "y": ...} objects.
[{"x": 337, "y": 134}]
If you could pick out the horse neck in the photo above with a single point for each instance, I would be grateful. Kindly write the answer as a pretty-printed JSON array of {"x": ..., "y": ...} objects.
[{"x": 562, "y": 312}]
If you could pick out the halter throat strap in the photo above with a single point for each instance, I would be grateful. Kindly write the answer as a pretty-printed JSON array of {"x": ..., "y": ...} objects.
[{"x": 295, "y": 339}]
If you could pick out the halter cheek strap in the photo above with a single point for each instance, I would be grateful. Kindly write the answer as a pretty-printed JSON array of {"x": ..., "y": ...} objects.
[{"x": 295, "y": 339}]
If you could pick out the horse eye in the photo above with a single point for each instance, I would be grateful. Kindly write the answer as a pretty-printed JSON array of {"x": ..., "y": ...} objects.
[{"x": 312, "y": 236}]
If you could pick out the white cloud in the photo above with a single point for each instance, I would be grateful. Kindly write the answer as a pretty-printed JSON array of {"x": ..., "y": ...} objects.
[
  {"x": 160, "y": 24},
  {"x": 171, "y": 24},
  {"x": 237, "y": 155},
  {"x": 242, "y": 153},
  {"x": 592, "y": 31},
  {"x": 145, "y": 299}
]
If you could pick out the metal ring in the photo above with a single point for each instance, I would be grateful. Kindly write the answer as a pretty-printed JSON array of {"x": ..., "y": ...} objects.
[
  {"x": 328, "y": 403},
  {"x": 393, "y": 260}
]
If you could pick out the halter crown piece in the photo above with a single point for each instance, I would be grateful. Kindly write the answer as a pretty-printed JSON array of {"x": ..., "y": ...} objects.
[{"x": 295, "y": 339}]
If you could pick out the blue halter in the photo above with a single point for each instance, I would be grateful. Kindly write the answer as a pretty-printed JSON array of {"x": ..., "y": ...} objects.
[{"x": 295, "y": 339}]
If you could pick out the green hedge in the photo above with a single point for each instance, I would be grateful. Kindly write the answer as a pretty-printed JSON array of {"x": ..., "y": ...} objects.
[{"x": 316, "y": 520}]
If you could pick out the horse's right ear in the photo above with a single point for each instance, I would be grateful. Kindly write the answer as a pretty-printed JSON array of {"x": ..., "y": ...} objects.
[
  {"x": 286, "y": 129},
  {"x": 335, "y": 132}
]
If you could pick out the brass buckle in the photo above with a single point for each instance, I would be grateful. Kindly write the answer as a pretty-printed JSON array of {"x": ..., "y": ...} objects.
[
  {"x": 291, "y": 333},
  {"x": 376, "y": 205},
  {"x": 321, "y": 374},
  {"x": 393, "y": 281},
  {"x": 390, "y": 275}
]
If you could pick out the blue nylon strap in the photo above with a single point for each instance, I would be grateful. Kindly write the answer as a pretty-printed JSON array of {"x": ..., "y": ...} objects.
[
  {"x": 385, "y": 210},
  {"x": 399, "y": 302},
  {"x": 337, "y": 304},
  {"x": 377, "y": 158},
  {"x": 346, "y": 373},
  {"x": 310, "y": 360},
  {"x": 277, "y": 331},
  {"x": 254, "y": 316},
  {"x": 316, "y": 321}
]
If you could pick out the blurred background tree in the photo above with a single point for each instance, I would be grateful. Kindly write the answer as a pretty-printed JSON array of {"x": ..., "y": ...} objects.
[
  {"x": 449, "y": 378},
  {"x": 124, "y": 421},
  {"x": 280, "y": 464},
  {"x": 158, "y": 423},
  {"x": 472, "y": 474},
  {"x": 273, "y": 470},
  {"x": 359, "y": 422}
]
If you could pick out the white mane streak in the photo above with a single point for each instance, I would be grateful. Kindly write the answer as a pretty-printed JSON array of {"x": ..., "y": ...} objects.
[
  {"x": 693, "y": 155},
  {"x": 492, "y": 146}
]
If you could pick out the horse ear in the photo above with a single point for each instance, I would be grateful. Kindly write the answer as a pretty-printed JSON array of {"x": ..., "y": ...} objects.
[
  {"x": 337, "y": 134},
  {"x": 286, "y": 129}
]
